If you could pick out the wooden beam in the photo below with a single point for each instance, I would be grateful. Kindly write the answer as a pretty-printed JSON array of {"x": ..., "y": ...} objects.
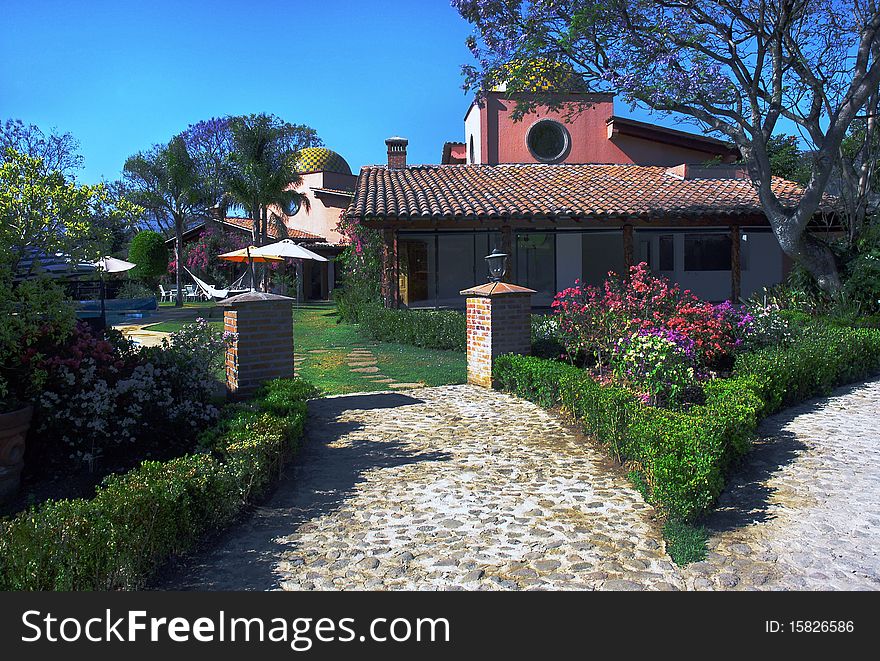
[
  {"x": 575, "y": 222},
  {"x": 735, "y": 264},
  {"x": 628, "y": 252}
]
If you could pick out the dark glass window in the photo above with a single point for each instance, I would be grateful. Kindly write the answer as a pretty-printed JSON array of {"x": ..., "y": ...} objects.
[
  {"x": 667, "y": 253},
  {"x": 548, "y": 140},
  {"x": 706, "y": 252},
  {"x": 473, "y": 160}
]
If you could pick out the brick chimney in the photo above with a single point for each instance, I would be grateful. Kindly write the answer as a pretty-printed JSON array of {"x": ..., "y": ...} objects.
[{"x": 396, "y": 152}]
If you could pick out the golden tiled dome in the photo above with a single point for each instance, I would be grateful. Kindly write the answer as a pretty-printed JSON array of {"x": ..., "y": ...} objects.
[{"x": 321, "y": 159}]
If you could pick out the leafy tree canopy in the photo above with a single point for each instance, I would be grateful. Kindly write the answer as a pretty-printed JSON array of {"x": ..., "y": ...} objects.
[
  {"x": 735, "y": 67},
  {"x": 149, "y": 252},
  {"x": 57, "y": 151},
  {"x": 42, "y": 210}
]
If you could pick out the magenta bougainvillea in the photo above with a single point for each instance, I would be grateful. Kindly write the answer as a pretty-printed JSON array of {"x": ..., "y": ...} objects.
[
  {"x": 595, "y": 319},
  {"x": 201, "y": 256}
]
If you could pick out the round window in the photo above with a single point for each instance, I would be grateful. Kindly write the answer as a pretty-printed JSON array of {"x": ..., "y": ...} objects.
[{"x": 548, "y": 140}]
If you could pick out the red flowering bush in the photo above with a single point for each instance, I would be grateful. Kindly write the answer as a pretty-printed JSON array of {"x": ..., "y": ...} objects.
[{"x": 593, "y": 320}]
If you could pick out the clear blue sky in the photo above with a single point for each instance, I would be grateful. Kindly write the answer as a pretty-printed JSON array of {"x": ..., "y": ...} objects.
[{"x": 123, "y": 75}]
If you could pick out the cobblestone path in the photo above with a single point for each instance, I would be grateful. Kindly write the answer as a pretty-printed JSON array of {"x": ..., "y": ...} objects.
[
  {"x": 439, "y": 488},
  {"x": 804, "y": 511},
  {"x": 462, "y": 488}
]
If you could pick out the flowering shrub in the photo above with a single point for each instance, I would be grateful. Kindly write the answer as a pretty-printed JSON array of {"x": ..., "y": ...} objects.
[
  {"x": 656, "y": 363},
  {"x": 32, "y": 315},
  {"x": 201, "y": 256},
  {"x": 360, "y": 269},
  {"x": 765, "y": 326},
  {"x": 99, "y": 395},
  {"x": 593, "y": 320}
]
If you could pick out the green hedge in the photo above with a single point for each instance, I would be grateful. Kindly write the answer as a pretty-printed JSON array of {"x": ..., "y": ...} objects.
[
  {"x": 139, "y": 519},
  {"x": 433, "y": 329},
  {"x": 823, "y": 358},
  {"x": 683, "y": 456}
]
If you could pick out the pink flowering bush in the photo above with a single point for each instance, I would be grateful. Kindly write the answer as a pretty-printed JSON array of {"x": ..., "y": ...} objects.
[
  {"x": 103, "y": 396},
  {"x": 360, "y": 268},
  {"x": 593, "y": 320},
  {"x": 201, "y": 256}
]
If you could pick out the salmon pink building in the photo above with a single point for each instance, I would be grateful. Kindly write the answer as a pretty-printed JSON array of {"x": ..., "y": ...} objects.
[{"x": 570, "y": 194}]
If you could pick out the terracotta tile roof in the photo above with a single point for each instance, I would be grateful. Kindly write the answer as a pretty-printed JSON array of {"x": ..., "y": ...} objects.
[
  {"x": 275, "y": 232},
  {"x": 535, "y": 191}
]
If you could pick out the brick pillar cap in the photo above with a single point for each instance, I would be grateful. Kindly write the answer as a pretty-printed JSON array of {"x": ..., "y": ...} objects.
[
  {"x": 496, "y": 289},
  {"x": 252, "y": 297}
]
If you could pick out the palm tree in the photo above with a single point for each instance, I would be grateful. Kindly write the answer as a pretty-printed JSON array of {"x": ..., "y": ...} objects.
[
  {"x": 166, "y": 182},
  {"x": 262, "y": 167}
]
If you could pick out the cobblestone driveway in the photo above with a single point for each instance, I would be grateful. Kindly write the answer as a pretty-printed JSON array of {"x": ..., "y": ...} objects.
[{"x": 460, "y": 487}]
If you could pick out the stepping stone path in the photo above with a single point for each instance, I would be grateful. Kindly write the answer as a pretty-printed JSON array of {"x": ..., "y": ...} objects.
[
  {"x": 362, "y": 361},
  {"x": 461, "y": 487}
]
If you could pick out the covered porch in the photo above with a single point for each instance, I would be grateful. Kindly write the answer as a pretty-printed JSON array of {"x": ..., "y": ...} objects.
[{"x": 427, "y": 268}]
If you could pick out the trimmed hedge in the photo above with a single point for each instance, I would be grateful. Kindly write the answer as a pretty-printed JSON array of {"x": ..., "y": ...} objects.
[
  {"x": 683, "y": 456},
  {"x": 139, "y": 519},
  {"x": 432, "y": 329}
]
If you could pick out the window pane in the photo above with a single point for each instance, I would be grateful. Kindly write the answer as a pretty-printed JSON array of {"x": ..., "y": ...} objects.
[
  {"x": 667, "y": 253},
  {"x": 706, "y": 252},
  {"x": 536, "y": 262}
]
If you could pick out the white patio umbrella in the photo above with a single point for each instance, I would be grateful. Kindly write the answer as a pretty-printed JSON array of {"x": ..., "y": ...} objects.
[
  {"x": 109, "y": 265},
  {"x": 112, "y": 265},
  {"x": 288, "y": 249}
]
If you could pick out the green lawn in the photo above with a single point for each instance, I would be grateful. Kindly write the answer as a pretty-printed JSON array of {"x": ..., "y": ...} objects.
[{"x": 316, "y": 330}]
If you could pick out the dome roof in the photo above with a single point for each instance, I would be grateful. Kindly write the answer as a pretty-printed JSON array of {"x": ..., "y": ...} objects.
[{"x": 321, "y": 159}]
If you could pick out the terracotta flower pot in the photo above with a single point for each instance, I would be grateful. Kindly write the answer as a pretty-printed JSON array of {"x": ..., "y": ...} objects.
[{"x": 13, "y": 431}]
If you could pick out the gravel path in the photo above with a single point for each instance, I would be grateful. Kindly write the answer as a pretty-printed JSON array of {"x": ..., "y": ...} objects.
[{"x": 459, "y": 487}]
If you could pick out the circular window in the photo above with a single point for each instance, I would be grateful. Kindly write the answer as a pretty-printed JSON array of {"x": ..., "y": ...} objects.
[{"x": 548, "y": 140}]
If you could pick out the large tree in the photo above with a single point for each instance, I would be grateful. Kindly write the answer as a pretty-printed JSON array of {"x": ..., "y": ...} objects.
[
  {"x": 737, "y": 68},
  {"x": 58, "y": 152},
  {"x": 43, "y": 212},
  {"x": 166, "y": 182}
]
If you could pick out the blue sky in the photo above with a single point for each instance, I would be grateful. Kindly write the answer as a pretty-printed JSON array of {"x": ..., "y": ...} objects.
[{"x": 124, "y": 75}]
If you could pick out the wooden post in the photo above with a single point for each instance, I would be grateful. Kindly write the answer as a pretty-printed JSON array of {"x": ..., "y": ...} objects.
[
  {"x": 628, "y": 253},
  {"x": 507, "y": 249},
  {"x": 390, "y": 276},
  {"x": 735, "y": 264}
]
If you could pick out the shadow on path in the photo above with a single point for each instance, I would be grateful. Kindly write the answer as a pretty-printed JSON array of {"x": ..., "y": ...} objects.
[
  {"x": 746, "y": 499},
  {"x": 319, "y": 481}
]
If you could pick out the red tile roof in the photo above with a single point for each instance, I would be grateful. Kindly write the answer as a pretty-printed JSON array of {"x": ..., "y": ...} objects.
[
  {"x": 536, "y": 191},
  {"x": 275, "y": 231}
]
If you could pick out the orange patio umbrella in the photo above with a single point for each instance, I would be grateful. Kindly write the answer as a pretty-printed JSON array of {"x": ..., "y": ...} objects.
[{"x": 249, "y": 255}]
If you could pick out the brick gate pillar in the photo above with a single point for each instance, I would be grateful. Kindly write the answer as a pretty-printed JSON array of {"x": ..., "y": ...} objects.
[
  {"x": 498, "y": 322},
  {"x": 263, "y": 346}
]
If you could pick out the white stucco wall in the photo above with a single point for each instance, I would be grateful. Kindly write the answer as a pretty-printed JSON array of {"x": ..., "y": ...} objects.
[{"x": 472, "y": 129}]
